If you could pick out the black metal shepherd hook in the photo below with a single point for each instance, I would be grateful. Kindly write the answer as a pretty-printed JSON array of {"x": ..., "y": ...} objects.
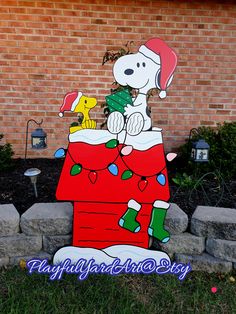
[{"x": 190, "y": 134}]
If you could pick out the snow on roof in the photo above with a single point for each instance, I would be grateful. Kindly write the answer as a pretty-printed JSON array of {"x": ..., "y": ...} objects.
[{"x": 142, "y": 141}]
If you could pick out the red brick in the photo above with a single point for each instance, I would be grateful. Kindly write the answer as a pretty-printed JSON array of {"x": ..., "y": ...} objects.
[
  {"x": 201, "y": 82},
  {"x": 99, "y": 21},
  {"x": 44, "y": 4},
  {"x": 124, "y": 29},
  {"x": 207, "y": 122},
  {"x": 216, "y": 106},
  {"x": 54, "y": 47},
  {"x": 26, "y": 3},
  {"x": 223, "y": 112}
]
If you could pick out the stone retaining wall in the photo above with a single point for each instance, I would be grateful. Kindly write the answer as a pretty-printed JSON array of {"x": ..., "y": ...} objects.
[{"x": 46, "y": 227}]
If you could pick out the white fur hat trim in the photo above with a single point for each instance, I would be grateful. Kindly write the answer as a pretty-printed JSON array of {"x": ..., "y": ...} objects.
[{"x": 150, "y": 54}]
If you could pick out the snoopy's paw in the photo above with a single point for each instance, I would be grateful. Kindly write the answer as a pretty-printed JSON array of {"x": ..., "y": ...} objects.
[
  {"x": 135, "y": 124},
  {"x": 129, "y": 109}
]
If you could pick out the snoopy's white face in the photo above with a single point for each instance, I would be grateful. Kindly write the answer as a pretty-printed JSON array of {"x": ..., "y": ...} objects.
[{"x": 137, "y": 71}]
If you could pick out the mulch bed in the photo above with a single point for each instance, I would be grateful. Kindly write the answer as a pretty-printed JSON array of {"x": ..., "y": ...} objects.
[{"x": 17, "y": 189}]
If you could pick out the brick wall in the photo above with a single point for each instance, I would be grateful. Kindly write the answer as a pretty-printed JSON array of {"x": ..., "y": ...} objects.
[{"x": 49, "y": 47}]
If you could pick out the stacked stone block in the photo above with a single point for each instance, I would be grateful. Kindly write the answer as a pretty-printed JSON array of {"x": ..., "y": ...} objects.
[
  {"x": 42, "y": 229},
  {"x": 211, "y": 245},
  {"x": 218, "y": 226},
  {"x": 208, "y": 244}
]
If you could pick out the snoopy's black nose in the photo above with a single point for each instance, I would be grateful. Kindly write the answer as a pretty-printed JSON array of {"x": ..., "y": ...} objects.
[{"x": 129, "y": 71}]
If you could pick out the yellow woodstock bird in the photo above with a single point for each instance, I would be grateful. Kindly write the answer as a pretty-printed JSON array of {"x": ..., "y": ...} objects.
[{"x": 77, "y": 102}]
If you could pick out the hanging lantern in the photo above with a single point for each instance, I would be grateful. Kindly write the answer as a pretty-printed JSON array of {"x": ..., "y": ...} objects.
[
  {"x": 200, "y": 151},
  {"x": 38, "y": 137}
]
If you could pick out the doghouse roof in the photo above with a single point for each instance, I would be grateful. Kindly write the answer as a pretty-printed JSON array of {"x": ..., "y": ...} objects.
[{"x": 94, "y": 172}]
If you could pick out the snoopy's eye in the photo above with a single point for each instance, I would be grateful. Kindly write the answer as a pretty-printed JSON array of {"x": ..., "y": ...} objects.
[
  {"x": 138, "y": 64},
  {"x": 85, "y": 101},
  {"x": 144, "y": 64}
]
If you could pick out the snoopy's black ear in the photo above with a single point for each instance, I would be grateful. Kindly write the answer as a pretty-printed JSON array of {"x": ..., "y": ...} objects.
[{"x": 158, "y": 79}]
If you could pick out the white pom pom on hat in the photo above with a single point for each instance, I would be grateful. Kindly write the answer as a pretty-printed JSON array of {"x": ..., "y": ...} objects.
[
  {"x": 70, "y": 101},
  {"x": 162, "y": 94}
]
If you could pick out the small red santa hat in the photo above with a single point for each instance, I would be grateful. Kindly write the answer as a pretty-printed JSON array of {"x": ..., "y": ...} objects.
[
  {"x": 158, "y": 51},
  {"x": 70, "y": 102}
]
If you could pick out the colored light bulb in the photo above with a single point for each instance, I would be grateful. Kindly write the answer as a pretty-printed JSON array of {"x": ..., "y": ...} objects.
[
  {"x": 127, "y": 174},
  {"x": 112, "y": 143},
  {"x": 93, "y": 176},
  {"x": 171, "y": 156},
  {"x": 76, "y": 169},
  {"x": 113, "y": 169},
  {"x": 142, "y": 184},
  {"x": 126, "y": 150},
  {"x": 60, "y": 153},
  {"x": 161, "y": 179}
]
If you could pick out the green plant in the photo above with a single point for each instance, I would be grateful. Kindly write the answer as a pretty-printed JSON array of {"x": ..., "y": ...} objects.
[
  {"x": 6, "y": 154},
  {"x": 184, "y": 180},
  {"x": 222, "y": 156},
  {"x": 112, "y": 56},
  {"x": 80, "y": 117}
]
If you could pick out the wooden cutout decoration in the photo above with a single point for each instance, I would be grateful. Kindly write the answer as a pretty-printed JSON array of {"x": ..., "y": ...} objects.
[
  {"x": 117, "y": 178},
  {"x": 77, "y": 102}
]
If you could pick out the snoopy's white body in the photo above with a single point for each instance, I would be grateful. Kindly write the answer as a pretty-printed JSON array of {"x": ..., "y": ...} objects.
[
  {"x": 138, "y": 72},
  {"x": 140, "y": 105}
]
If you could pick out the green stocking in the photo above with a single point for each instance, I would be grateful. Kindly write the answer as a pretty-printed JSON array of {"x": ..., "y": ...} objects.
[
  {"x": 128, "y": 220},
  {"x": 156, "y": 226}
]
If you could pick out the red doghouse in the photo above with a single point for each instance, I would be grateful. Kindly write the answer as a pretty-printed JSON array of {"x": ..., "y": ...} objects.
[{"x": 100, "y": 180}]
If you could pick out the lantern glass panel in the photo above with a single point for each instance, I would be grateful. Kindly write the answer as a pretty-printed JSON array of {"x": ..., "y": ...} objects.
[
  {"x": 38, "y": 142},
  {"x": 38, "y": 139},
  {"x": 193, "y": 154},
  {"x": 202, "y": 155}
]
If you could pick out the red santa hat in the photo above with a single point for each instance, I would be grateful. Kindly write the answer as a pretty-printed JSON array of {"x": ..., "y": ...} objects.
[
  {"x": 70, "y": 102},
  {"x": 158, "y": 51}
]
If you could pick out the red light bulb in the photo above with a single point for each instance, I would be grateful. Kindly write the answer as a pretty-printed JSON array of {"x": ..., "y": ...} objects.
[
  {"x": 142, "y": 184},
  {"x": 93, "y": 176}
]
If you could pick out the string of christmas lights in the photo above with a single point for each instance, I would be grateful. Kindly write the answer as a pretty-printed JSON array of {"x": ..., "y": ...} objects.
[{"x": 127, "y": 174}]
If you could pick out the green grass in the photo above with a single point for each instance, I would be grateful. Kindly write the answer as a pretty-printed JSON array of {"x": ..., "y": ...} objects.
[{"x": 23, "y": 293}]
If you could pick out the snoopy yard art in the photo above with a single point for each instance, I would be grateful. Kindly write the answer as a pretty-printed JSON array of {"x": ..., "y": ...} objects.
[{"x": 117, "y": 178}]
